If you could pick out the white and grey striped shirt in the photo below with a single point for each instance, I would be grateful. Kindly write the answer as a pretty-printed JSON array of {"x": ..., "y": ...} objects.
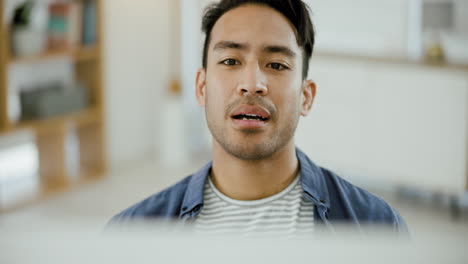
[{"x": 285, "y": 213}]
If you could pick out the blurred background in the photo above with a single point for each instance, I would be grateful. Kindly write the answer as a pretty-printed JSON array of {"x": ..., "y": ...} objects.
[{"x": 97, "y": 105}]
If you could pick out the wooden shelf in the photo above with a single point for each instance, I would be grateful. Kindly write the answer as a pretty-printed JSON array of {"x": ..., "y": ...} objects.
[
  {"x": 78, "y": 54},
  {"x": 86, "y": 127},
  {"x": 78, "y": 118}
]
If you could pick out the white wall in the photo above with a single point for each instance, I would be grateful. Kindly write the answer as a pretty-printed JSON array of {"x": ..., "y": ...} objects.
[
  {"x": 384, "y": 28},
  {"x": 190, "y": 61},
  {"x": 389, "y": 123},
  {"x": 367, "y": 27},
  {"x": 192, "y": 38},
  {"x": 136, "y": 41}
]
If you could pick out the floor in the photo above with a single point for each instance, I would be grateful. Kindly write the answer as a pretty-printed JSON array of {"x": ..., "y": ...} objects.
[{"x": 98, "y": 201}]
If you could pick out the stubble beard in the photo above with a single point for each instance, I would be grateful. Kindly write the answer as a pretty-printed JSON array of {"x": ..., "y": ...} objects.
[{"x": 247, "y": 150}]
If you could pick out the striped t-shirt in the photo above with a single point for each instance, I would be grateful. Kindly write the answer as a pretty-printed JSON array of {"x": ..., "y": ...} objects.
[{"x": 285, "y": 213}]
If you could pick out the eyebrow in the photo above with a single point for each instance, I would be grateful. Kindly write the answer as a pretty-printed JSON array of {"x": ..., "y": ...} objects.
[
  {"x": 280, "y": 49},
  {"x": 223, "y": 45}
]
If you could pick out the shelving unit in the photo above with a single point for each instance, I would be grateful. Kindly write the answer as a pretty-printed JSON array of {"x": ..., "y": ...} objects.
[
  {"x": 50, "y": 133},
  {"x": 79, "y": 55}
]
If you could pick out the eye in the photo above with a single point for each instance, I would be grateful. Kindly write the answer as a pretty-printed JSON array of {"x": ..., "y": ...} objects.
[
  {"x": 278, "y": 66},
  {"x": 230, "y": 62}
]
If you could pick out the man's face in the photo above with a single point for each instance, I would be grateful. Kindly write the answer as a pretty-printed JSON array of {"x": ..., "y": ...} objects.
[{"x": 252, "y": 87}]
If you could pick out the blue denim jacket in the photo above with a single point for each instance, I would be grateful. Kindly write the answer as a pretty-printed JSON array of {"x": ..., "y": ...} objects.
[{"x": 336, "y": 200}]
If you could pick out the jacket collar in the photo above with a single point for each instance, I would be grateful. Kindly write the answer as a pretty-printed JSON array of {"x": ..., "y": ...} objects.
[
  {"x": 312, "y": 178},
  {"x": 194, "y": 193}
]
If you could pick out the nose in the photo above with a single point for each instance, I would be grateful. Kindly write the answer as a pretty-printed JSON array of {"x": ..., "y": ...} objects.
[{"x": 253, "y": 81}]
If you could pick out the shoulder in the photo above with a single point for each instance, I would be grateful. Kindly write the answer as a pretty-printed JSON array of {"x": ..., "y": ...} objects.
[
  {"x": 165, "y": 204},
  {"x": 361, "y": 205}
]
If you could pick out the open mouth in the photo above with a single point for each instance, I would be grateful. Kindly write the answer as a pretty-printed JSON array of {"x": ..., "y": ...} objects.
[{"x": 251, "y": 117}]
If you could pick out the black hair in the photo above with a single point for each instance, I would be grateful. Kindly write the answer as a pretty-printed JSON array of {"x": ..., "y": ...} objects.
[{"x": 296, "y": 11}]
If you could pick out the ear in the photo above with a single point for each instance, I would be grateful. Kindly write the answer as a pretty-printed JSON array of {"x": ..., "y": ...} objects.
[
  {"x": 200, "y": 91},
  {"x": 308, "y": 94}
]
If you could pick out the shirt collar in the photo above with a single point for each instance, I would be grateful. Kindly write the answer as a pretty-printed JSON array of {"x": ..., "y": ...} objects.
[{"x": 312, "y": 178}]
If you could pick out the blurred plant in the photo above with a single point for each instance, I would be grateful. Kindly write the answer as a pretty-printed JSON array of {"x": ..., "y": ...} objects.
[{"x": 22, "y": 14}]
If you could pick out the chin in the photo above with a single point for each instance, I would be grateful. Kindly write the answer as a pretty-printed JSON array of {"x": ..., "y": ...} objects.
[
  {"x": 250, "y": 152},
  {"x": 254, "y": 146}
]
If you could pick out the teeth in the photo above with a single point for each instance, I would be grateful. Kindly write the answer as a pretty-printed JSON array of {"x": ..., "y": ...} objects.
[{"x": 250, "y": 117}]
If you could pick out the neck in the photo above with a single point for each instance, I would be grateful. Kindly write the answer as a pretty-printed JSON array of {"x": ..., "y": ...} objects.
[{"x": 253, "y": 180}]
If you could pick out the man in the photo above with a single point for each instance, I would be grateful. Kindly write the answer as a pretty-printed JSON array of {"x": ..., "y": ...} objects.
[{"x": 254, "y": 87}]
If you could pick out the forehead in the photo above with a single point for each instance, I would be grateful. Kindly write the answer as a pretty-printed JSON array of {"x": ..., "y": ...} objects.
[{"x": 256, "y": 25}]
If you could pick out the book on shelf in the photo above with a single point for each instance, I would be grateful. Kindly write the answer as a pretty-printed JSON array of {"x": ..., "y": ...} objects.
[
  {"x": 72, "y": 24},
  {"x": 89, "y": 22},
  {"x": 58, "y": 25},
  {"x": 76, "y": 24}
]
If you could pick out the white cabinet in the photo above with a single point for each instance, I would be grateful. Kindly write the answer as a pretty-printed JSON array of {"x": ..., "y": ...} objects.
[{"x": 392, "y": 123}]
